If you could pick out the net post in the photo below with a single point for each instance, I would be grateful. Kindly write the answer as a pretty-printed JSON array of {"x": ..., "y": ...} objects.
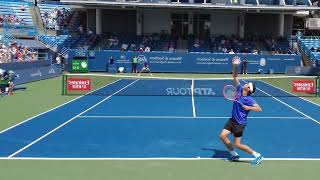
[
  {"x": 318, "y": 86},
  {"x": 62, "y": 85},
  {"x": 64, "y": 76}
]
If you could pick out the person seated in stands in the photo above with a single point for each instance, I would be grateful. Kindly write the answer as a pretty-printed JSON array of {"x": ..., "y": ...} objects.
[
  {"x": 141, "y": 46},
  {"x": 231, "y": 51},
  {"x": 171, "y": 49},
  {"x": 116, "y": 41},
  {"x": 313, "y": 49},
  {"x": 196, "y": 43},
  {"x": 23, "y": 7},
  {"x": 124, "y": 47},
  {"x": 147, "y": 49},
  {"x": 224, "y": 50},
  {"x": 133, "y": 47}
]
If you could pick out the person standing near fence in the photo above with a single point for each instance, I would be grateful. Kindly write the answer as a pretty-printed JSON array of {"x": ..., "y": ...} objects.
[
  {"x": 134, "y": 64},
  {"x": 244, "y": 67}
]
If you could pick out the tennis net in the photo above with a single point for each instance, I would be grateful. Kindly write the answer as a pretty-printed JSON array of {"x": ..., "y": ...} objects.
[{"x": 130, "y": 85}]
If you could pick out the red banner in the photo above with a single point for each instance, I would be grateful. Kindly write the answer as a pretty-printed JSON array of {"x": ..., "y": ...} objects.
[
  {"x": 79, "y": 84},
  {"x": 303, "y": 86}
]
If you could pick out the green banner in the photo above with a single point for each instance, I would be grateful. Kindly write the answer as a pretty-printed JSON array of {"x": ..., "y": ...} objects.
[{"x": 79, "y": 65}]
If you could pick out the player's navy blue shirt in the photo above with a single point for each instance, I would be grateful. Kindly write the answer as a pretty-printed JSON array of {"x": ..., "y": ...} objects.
[{"x": 239, "y": 115}]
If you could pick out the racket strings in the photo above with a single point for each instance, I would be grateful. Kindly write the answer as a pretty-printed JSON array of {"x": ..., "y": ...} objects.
[{"x": 230, "y": 93}]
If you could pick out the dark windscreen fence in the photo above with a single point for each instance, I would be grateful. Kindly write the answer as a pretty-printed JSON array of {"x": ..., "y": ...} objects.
[{"x": 120, "y": 85}]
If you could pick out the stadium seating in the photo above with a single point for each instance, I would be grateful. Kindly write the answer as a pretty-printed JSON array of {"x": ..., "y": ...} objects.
[
  {"x": 55, "y": 16},
  {"x": 311, "y": 47},
  {"x": 64, "y": 42},
  {"x": 222, "y": 44},
  {"x": 130, "y": 42},
  {"x": 19, "y": 10}
]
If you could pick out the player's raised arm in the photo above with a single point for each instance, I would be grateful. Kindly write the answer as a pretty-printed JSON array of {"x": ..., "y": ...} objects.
[
  {"x": 235, "y": 63},
  {"x": 255, "y": 107}
]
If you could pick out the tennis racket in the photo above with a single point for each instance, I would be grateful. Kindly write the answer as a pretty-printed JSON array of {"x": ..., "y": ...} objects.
[{"x": 230, "y": 93}]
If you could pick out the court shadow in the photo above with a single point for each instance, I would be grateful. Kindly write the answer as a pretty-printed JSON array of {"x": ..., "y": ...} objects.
[
  {"x": 218, "y": 153},
  {"x": 223, "y": 154}
]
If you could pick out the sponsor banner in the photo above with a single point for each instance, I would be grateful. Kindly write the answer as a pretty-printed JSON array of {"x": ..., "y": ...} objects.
[
  {"x": 79, "y": 65},
  {"x": 306, "y": 71},
  {"x": 78, "y": 84},
  {"x": 24, "y": 65},
  {"x": 307, "y": 86},
  {"x": 189, "y": 62},
  {"x": 36, "y": 74}
]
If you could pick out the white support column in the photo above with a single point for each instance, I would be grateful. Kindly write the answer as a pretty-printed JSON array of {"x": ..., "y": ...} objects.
[
  {"x": 190, "y": 22},
  {"x": 241, "y": 25},
  {"x": 98, "y": 21},
  {"x": 139, "y": 22},
  {"x": 281, "y": 24}
]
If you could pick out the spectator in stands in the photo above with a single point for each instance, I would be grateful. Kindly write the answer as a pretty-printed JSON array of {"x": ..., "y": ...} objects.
[
  {"x": 196, "y": 43},
  {"x": 124, "y": 47},
  {"x": 15, "y": 52},
  {"x": 23, "y": 7},
  {"x": 58, "y": 59},
  {"x": 80, "y": 28},
  {"x": 231, "y": 51},
  {"x": 171, "y": 49},
  {"x": 147, "y": 49},
  {"x": 116, "y": 41}
]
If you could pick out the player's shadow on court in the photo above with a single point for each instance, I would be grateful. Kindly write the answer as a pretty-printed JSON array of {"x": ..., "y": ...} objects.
[{"x": 222, "y": 154}]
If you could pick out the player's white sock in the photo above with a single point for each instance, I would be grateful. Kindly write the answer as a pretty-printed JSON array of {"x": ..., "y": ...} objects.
[
  {"x": 255, "y": 154},
  {"x": 234, "y": 153}
]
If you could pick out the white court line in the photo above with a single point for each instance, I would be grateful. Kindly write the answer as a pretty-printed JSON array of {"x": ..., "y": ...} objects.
[
  {"x": 192, "y": 97},
  {"x": 150, "y": 159},
  {"x": 290, "y": 93},
  {"x": 25, "y": 147},
  {"x": 54, "y": 108},
  {"x": 189, "y": 117},
  {"x": 291, "y": 107}
]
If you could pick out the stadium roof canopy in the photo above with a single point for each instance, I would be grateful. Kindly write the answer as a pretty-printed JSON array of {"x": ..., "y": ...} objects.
[{"x": 142, "y": 4}]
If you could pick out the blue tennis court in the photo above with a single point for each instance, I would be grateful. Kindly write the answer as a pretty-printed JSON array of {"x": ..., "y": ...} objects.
[{"x": 127, "y": 122}]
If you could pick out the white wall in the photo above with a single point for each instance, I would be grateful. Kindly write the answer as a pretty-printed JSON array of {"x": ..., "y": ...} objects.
[{"x": 156, "y": 20}]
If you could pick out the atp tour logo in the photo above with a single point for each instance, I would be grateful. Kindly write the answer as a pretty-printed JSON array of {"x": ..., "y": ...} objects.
[
  {"x": 189, "y": 92},
  {"x": 142, "y": 59}
]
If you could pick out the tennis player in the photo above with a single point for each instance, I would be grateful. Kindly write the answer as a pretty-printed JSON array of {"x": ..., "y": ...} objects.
[
  {"x": 145, "y": 68},
  {"x": 238, "y": 121}
]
